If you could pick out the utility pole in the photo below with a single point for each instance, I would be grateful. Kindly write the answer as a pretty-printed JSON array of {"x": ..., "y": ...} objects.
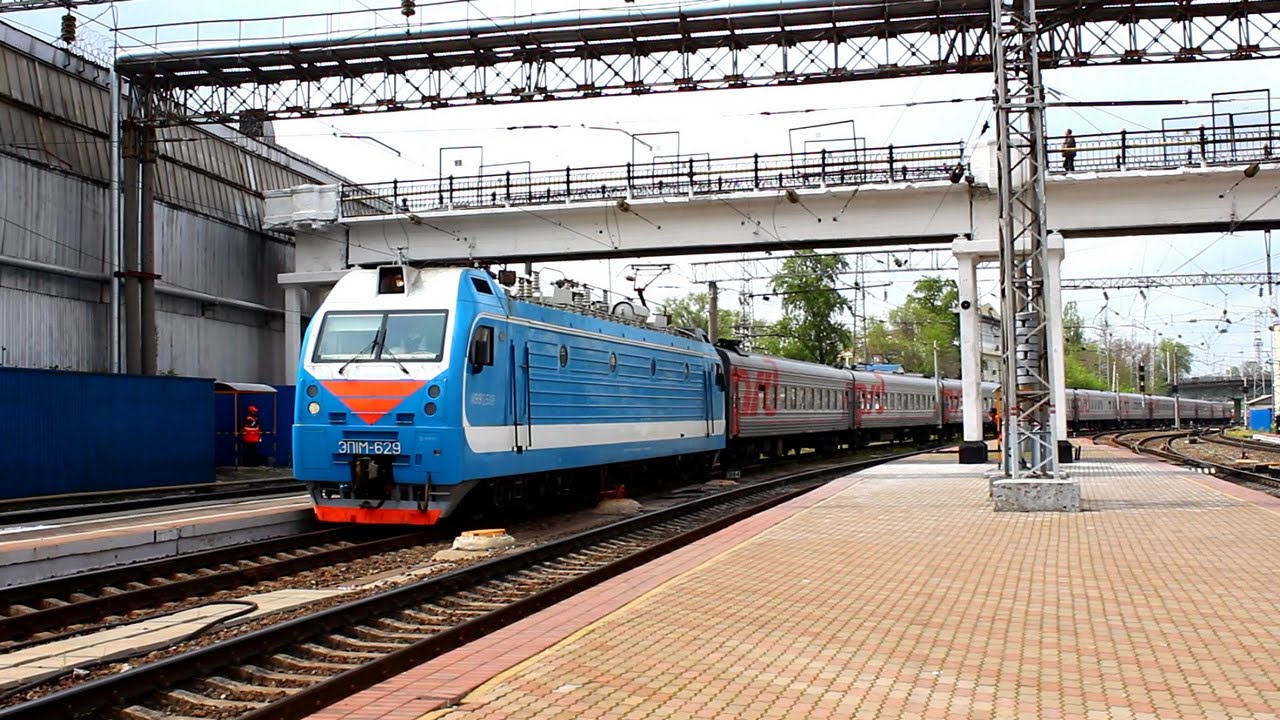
[{"x": 713, "y": 311}]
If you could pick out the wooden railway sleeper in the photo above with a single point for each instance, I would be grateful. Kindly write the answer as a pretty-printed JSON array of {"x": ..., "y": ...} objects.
[
  {"x": 328, "y": 654},
  {"x": 416, "y": 615},
  {"x": 142, "y": 712},
  {"x": 191, "y": 702},
  {"x": 447, "y": 611},
  {"x": 291, "y": 663},
  {"x": 393, "y": 625},
  {"x": 365, "y": 632},
  {"x": 243, "y": 690},
  {"x": 257, "y": 675},
  {"x": 349, "y": 644}
]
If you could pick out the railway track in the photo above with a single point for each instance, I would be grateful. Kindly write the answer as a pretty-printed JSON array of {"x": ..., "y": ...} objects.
[
  {"x": 67, "y": 605},
  {"x": 293, "y": 668},
  {"x": 1161, "y": 446}
]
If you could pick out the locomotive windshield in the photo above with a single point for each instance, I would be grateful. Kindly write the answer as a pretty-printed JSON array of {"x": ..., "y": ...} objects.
[{"x": 372, "y": 337}]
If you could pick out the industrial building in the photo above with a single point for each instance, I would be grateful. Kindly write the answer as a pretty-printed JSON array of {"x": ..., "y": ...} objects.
[{"x": 217, "y": 311}]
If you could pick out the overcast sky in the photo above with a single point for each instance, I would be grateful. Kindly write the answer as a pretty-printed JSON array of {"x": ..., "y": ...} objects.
[{"x": 730, "y": 123}]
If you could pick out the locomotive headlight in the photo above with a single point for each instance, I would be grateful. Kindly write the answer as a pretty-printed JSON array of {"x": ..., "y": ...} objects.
[
  {"x": 313, "y": 408},
  {"x": 312, "y": 390},
  {"x": 430, "y": 408}
]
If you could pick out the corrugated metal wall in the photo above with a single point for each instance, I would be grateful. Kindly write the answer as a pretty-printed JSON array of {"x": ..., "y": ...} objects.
[
  {"x": 54, "y": 165},
  {"x": 103, "y": 432}
]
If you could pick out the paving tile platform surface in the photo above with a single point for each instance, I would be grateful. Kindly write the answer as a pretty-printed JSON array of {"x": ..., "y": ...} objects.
[{"x": 898, "y": 592}]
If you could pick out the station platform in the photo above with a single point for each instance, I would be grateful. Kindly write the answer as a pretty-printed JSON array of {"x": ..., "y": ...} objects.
[
  {"x": 899, "y": 593},
  {"x": 63, "y": 547}
]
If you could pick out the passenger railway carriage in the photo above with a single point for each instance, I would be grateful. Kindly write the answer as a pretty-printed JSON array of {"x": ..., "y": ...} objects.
[{"x": 422, "y": 388}]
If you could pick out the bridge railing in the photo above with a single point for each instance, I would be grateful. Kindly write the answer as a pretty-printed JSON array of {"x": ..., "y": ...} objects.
[
  {"x": 701, "y": 175},
  {"x": 686, "y": 176},
  {"x": 1168, "y": 149}
]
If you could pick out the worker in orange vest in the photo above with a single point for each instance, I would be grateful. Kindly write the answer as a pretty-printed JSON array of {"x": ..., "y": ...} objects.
[{"x": 251, "y": 436}]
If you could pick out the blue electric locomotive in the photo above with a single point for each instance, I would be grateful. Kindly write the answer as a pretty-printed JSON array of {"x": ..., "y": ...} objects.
[{"x": 420, "y": 386}]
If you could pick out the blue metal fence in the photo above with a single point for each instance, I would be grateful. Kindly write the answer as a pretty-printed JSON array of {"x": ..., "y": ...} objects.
[{"x": 82, "y": 432}]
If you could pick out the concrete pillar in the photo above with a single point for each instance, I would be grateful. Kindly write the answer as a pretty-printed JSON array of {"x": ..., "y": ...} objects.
[
  {"x": 293, "y": 299},
  {"x": 974, "y": 449},
  {"x": 1057, "y": 353},
  {"x": 147, "y": 253},
  {"x": 129, "y": 228}
]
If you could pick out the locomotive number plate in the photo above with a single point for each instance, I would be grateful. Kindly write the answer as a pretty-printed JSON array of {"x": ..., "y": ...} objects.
[{"x": 368, "y": 447}]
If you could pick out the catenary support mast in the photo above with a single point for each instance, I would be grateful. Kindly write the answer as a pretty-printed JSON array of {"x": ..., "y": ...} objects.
[{"x": 1028, "y": 391}]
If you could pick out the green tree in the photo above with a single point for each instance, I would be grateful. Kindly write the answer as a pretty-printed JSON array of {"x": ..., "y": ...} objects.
[
  {"x": 1079, "y": 376},
  {"x": 926, "y": 319},
  {"x": 811, "y": 328},
  {"x": 694, "y": 310}
]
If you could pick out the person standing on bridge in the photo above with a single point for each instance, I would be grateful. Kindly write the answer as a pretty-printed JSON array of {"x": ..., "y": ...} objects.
[{"x": 1069, "y": 152}]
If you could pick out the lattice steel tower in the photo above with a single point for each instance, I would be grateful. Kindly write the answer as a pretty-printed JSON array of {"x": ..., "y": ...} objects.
[{"x": 1030, "y": 440}]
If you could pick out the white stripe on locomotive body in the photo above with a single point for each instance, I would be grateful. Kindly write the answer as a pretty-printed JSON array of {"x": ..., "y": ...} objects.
[{"x": 499, "y": 438}]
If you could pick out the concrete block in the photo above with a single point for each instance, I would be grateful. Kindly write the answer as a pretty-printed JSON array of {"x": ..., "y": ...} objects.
[
  {"x": 1032, "y": 495},
  {"x": 973, "y": 452}
]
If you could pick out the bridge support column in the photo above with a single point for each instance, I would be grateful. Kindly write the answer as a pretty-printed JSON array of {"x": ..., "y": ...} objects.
[
  {"x": 1057, "y": 353},
  {"x": 974, "y": 449},
  {"x": 294, "y": 297}
]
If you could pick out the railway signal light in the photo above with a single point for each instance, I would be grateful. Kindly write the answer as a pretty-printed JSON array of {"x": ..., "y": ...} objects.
[{"x": 1142, "y": 378}]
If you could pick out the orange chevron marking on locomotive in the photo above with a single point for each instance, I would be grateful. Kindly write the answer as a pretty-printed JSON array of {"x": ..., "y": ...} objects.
[{"x": 372, "y": 399}]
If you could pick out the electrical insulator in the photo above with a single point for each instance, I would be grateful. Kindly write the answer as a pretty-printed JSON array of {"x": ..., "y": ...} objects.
[
  {"x": 407, "y": 8},
  {"x": 68, "y": 35}
]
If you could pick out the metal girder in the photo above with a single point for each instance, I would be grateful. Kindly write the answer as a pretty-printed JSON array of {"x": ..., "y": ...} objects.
[
  {"x": 19, "y": 5},
  {"x": 786, "y": 43},
  {"x": 1028, "y": 387},
  {"x": 1143, "y": 282}
]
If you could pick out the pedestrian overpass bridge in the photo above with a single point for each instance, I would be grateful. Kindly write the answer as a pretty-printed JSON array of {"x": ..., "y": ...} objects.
[{"x": 1127, "y": 183}]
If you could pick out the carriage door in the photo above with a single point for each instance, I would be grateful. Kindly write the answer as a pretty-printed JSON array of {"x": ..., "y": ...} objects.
[{"x": 487, "y": 384}]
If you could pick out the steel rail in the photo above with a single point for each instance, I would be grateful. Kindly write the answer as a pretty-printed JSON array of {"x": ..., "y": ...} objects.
[{"x": 114, "y": 691}]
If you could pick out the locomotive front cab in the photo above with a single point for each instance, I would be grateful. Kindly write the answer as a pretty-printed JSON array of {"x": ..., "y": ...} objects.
[{"x": 376, "y": 411}]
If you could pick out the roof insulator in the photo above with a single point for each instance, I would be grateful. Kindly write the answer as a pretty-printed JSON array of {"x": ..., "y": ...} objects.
[
  {"x": 407, "y": 8},
  {"x": 68, "y": 34}
]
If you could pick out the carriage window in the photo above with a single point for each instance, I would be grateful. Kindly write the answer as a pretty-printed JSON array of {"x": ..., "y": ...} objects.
[{"x": 761, "y": 396}]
